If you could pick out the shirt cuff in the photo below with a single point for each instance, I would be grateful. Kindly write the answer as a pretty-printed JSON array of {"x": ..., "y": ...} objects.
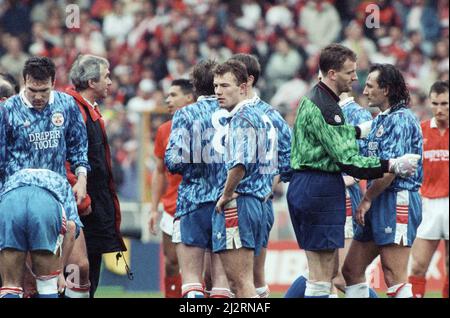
[{"x": 81, "y": 170}]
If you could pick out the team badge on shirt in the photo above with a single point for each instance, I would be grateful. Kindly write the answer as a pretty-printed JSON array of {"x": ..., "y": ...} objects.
[
  {"x": 380, "y": 131},
  {"x": 58, "y": 119},
  {"x": 337, "y": 119}
]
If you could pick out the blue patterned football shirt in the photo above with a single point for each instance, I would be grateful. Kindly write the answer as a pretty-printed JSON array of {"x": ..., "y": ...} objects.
[
  {"x": 394, "y": 133},
  {"x": 44, "y": 139},
  {"x": 354, "y": 115},
  {"x": 2, "y": 143},
  {"x": 252, "y": 142},
  {"x": 196, "y": 151},
  {"x": 283, "y": 136}
]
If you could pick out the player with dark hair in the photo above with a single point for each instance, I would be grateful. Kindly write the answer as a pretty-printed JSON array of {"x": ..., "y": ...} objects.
[
  {"x": 390, "y": 210},
  {"x": 281, "y": 141},
  {"x": 200, "y": 165},
  {"x": 240, "y": 221},
  {"x": 11, "y": 80},
  {"x": 6, "y": 88},
  {"x": 434, "y": 191},
  {"x": 43, "y": 127},
  {"x": 165, "y": 188}
]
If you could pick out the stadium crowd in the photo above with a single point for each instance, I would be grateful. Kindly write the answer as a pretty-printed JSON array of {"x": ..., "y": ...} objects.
[{"x": 150, "y": 43}]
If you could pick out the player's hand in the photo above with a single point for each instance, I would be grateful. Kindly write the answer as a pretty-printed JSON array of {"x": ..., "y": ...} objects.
[
  {"x": 349, "y": 181},
  {"x": 220, "y": 206},
  {"x": 405, "y": 165},
  {"x": 61, "y": 282},
  {"x": 79, "y": 189},
  {"x": 362, "y": 209},
  {"x": 86, "y": 212},
  {"x": 152, "y": 223}
]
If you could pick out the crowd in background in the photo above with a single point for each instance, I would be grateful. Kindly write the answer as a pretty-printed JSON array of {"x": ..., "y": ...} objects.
[{"x": 151, "y": 42}]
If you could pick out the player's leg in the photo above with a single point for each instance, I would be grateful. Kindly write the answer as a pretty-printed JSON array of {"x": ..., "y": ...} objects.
[
  {"x": 259, "y": 274},
  {"x": 192, "y": 235},
  {"x": 238, "y": 237},
  {"x": 207, "y": 273},
  {"x": 445, "y": 234},
  {"x": 46, "y": 268},
  {"x": 45, "y": 231},
  {"x": 220, "y": 287},
  {"x": 394, "y": 262},
  {"x": 259, "y": 263},
  {"x": 359, "y": 256},
  {"x": 402, "y": 212},
  {"x": 172, "y": 279},
  {"x": 352, "y": 198},
  {"x": 322, "y": 267},
  {"x": 77, "y": 270},
  {"x": 238, "y": 265},
  {"x": 190, "y": 259},
  {"x": 421, "y": 254},
  {"x": 445, "y": 288},
  {"x": 317, "y": 207},
  {"x": 29, "y": 282},
  {"x": 12, "y": 269},
  {"x": 429, "y": 233},
  {"x": 13, "y": 242},
  {"x": 339, "y": 281}
]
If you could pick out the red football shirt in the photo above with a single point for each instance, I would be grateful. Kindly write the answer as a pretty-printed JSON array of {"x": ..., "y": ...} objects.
[
  {"x": 169, "y": 198},
  {"x": 435, "y": 161}
]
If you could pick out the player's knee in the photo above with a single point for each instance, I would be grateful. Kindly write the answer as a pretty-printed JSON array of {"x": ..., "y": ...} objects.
[{"x": 418, "y": 267}]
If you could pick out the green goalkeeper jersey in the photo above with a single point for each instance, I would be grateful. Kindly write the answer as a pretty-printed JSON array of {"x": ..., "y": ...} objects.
[{"x": 322, "y": 141}]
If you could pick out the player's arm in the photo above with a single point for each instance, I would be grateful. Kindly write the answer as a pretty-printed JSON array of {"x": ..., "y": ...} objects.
[
  {"x": 276, "y": 180},
  {"x": 178, "y": 156},
  {"x": 361, "y": 116},
  {"x": 241, "y": 138},
  {"x": 340, "y": 144},
  {"x": 77, "y": 149},
  {"x": 234, "y": 176},
  {"x": 84, "y": 208},
  {"x": 158, "y": 188},
  {"x": 3, "y": 125},
  {"x": 284, "y": 151},
  {"x": 375, "y": 189}
]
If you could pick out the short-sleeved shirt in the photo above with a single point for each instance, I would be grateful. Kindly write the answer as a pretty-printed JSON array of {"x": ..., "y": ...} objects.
[
  {"x": 196, "y": 152},
  {"x": 250, "y": 146},
  {"x": 169, "y": 198},
  {"x": 435, "y": 161},
  {"x": 284, "y": 137},
  {"x": 394, "y": 133}
]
